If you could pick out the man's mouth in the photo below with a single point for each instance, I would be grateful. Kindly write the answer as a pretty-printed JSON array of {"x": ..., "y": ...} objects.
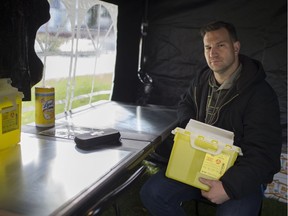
[{"x": 214, "y": 61}]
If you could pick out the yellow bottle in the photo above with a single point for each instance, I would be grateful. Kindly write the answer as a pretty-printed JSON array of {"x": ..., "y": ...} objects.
[
  {"x": 44, "y": 106},
  {"x": 10, "y": 114}
]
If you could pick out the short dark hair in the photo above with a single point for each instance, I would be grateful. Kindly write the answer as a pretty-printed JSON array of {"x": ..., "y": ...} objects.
[{"x": 217, "y": 25}]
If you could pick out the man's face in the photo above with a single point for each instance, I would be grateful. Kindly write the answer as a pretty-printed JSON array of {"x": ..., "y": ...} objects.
[{"x": 220, "y": 51}]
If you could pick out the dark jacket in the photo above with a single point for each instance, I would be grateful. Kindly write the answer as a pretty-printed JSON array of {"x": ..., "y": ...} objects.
[{"x": 252, "y": 113}]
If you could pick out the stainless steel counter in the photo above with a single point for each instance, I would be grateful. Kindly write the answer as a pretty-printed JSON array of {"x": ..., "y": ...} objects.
[
  {"x": 47, "y": 175},
  {"x": 134, "y": 122}
]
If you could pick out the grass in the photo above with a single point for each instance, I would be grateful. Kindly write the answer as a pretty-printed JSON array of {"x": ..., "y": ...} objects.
[{"x": 83, "y": 86}]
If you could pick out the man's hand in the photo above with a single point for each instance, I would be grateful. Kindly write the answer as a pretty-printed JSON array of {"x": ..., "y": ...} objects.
[{"x": 216, "y": 194}]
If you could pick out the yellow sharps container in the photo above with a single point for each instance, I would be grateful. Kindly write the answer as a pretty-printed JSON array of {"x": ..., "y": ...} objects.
[
  {"x": 195, "y": 155},
  {"x": 10, "y": 114}
]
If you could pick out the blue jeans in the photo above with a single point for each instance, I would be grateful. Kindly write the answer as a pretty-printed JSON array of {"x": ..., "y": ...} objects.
[{"x": 163, "y": 196}]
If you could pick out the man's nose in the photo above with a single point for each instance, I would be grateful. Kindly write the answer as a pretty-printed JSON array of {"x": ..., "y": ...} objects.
[{"x": 213, "y": 52}]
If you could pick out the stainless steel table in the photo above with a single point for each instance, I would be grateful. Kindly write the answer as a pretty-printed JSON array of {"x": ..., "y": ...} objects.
[
  {"x": 134, "y": 122},
  {"x": 47, "y": 175}
]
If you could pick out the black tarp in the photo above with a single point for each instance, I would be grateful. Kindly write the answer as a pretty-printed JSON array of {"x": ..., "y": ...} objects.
[
  {"x": 19, "y": 21},
  {"x": 173, "y": 47}
]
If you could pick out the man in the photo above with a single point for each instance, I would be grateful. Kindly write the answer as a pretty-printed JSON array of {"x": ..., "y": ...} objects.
[{"x": 231, "y": 93}]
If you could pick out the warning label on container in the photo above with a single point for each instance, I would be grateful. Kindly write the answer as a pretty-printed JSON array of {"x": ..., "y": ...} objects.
[
  {"x": 215, "y": 165},
  {"x": 10, "y": 120}
]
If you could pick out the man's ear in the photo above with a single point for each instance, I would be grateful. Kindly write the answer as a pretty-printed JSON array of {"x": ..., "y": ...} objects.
[{"x": 236, "y": 47}]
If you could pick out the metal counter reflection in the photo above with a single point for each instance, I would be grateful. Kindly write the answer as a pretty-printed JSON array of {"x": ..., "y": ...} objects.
[
  {"x": 47, "y": 175},
  {"x": 125, "y": 118},
  {"x": 39, "y": 175}
]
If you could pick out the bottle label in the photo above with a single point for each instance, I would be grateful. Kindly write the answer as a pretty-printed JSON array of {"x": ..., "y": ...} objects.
[
  {"x": 10, "y": 119},
  {"x": 215, "y": 165},
  {"x": 44, "y": 107}
]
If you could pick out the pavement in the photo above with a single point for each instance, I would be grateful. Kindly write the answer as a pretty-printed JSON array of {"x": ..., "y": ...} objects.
[{"x": 59, "y": 66}]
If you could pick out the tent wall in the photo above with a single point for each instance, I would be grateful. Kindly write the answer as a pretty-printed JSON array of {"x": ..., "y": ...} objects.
[
  {"x": 173, "y": 47},
  {"x": 128, "y": 38}
]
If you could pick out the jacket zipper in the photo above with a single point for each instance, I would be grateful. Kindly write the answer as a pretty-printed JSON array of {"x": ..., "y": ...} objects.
[{"x": 195, "y": 98}]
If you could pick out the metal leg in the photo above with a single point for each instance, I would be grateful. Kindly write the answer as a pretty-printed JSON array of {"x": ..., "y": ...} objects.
[{"x": 111, "y": 196}]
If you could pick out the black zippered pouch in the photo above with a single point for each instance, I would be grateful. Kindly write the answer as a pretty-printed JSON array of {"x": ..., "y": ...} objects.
[{"x": 97, "y": 139}]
